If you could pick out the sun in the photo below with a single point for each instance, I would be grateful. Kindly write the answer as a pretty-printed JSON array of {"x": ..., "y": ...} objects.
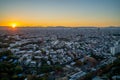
[{"x": 13, "y": 25}]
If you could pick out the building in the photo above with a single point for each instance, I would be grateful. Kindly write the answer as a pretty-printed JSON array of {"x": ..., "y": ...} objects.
[{"x": 115, "y": 50}]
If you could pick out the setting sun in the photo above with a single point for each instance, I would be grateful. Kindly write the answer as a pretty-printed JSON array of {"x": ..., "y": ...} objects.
[{"x": 13, "y": 25}]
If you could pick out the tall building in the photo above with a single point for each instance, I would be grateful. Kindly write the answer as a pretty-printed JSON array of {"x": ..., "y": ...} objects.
[{"x": 116, "y": 49}]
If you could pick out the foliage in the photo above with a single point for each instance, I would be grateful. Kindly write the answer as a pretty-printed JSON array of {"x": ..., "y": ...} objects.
[{"x": 9, "y": 67}]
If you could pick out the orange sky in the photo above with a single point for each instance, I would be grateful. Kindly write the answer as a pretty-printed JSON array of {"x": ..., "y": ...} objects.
[{"x": 59, "y": 23}]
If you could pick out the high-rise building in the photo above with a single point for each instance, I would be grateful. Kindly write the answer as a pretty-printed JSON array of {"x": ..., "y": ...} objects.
[{"x": 116, "y": 49}]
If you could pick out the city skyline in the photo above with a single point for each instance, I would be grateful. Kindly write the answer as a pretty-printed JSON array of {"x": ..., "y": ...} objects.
[{"x": 60, "y": 13}]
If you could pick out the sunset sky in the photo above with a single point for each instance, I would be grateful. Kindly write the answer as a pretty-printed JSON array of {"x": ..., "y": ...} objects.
[{"x": 60, "y": 12}]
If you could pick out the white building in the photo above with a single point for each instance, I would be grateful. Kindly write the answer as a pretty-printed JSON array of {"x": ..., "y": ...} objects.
[{"x": 116, "y": 49}]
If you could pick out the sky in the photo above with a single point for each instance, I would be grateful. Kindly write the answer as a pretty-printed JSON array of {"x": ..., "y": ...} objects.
[{"x": 60, "y": 12}]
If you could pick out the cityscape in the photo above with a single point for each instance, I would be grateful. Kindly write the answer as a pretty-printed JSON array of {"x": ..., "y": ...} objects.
[
  {"x": 59, "y": 40},
  {"x": 60, "y": 53}
]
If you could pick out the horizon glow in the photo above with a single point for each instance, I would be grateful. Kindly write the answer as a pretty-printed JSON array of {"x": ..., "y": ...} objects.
[{"x": 60, "y": 12}]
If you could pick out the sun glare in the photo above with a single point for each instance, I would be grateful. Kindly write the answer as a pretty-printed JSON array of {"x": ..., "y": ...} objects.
[{"x": 13, "y": 25}]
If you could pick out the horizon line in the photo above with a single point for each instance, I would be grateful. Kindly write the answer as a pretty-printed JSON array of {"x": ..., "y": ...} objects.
[{"x": 59, "y": 26}]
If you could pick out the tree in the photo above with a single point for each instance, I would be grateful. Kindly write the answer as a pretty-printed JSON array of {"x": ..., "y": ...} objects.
[
  {"x": 8, "y": 69},
  {"x": 58, "y": 68},
  {"x": 18, "y": 69},
  {"x": 79, "y": 63},
  {"x": 46, "y": 68}
]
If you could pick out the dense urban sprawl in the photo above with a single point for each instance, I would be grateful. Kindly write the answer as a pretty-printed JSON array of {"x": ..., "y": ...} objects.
[{"x": 58, "y": 53}]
